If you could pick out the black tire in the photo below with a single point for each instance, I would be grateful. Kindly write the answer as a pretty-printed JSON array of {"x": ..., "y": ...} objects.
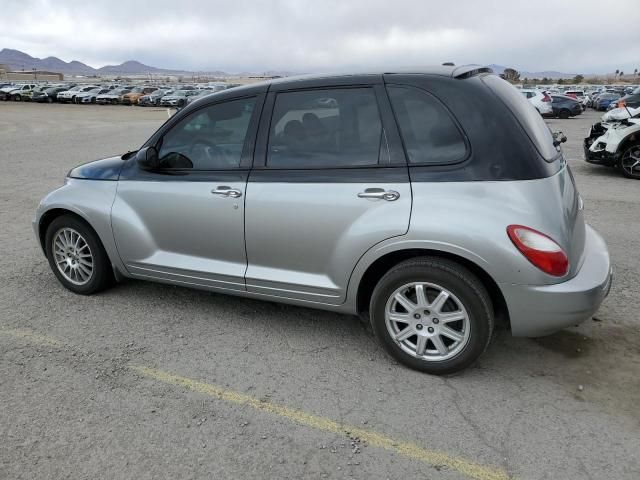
[
  {"x": 635, "y": 147},
  {"x": 102, "y": 276},
  {"x": 49, "y": 100},
  {"x": 457, "y": 280},
  {"x": 181, "y": 103},
  {"x": 114, "y": 102},
  {"x": 564, "y": 114},
  {"x": 16, "y": 98}
]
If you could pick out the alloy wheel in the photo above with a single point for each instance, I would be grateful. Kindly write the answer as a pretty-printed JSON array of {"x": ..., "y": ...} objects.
[
  {"x": 630, "y": 161},
  {"x": 73, "y": 256},
  {"x": 427, "y": 321}
]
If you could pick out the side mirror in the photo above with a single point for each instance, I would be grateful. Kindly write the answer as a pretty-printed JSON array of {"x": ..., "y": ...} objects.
[{"x": 147, "y": 158}]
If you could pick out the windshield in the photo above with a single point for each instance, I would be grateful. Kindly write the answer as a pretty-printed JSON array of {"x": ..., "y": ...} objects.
[
  {"x": 137, "y": 90},
  {"x": 180, "y": 93}
]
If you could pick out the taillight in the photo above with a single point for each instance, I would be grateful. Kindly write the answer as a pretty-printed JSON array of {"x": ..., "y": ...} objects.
[
  {"x": 546, "y": 98},
  {"x": 539, "y": 249}
]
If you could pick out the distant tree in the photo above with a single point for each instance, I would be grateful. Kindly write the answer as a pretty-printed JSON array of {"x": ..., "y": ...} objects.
[
  {"x": 635, "y": 72},
  {"x": 578, "y": 79},
  {"x": 511, "y": 75},
  {"x": 525, "y": 81},
  {"x": 560, "y": 81},
  {"x": 621, "y": 74}
]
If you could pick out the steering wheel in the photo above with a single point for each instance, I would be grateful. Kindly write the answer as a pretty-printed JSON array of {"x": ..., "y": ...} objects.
[{"x": 204, "y": 150}]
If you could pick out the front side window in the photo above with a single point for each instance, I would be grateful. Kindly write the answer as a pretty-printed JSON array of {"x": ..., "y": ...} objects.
[
  {"x": 429, "y": 134},
  {"x": 211, "y": 138},
  {"x": 329, "y": 128}
]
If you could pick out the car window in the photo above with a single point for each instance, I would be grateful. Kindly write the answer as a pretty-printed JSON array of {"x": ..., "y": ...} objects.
[
  {"x": 526, "y": 115},
  {"x": 429, "y": 133},
  {"x": 211, "y": 138},
  {"x": 329, "y": 128}
]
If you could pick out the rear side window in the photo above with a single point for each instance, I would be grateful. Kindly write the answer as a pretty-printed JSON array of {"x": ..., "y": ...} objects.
[
  {"x": 526, "y": 114},
  {"x": 328, "y": 128},
  {"x": 429, "y": 133}
]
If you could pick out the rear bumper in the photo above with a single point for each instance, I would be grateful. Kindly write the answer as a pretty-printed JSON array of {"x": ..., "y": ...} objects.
[{"x": 542, "y": 310}]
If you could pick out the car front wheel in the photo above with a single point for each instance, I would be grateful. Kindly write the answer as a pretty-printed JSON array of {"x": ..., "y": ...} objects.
[
  {"x": 432, "y": 315},
  {"x": 76, "y": 256},
  {"x": 630, "y": 162}
]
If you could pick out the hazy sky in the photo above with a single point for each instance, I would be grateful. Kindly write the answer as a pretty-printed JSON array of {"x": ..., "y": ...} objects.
[{"x": 238, "y": 35}]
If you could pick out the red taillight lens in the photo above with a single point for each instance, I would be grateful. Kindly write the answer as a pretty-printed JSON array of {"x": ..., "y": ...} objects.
[
  {"x": 539, "y": 249},
  {"x": 546, "y": 98}
]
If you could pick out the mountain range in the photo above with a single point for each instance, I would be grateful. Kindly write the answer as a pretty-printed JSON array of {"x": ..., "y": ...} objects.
[{"x": 18, "y": 61}]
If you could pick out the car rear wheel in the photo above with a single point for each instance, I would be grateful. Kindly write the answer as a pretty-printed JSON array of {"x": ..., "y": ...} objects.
[
  {"x": 76, "y": 256},
  {"x": 49, "y": 100},
  {"x": 17, "y": 98},
  {"x": 114, "y": 102},
  {"x": 564, "y": 114},
  {"x": 432, "y": 315},
  {"x": 630, "y": 162}
]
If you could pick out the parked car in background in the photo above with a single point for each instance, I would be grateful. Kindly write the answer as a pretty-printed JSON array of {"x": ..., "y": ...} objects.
[
  {"x": 344, "y": 205},
  {"x": 153, "y": 98},
  {"x": 539, "y": 99},
  {"x": 16, "y": 92},
  {"x": 27, "y": 95},
  {"x": 50, "y": 94},
  {"x": 132, "y": 97},
  {"x": 112, "y": 97},
  {"x": 579, "y": 95},
  {"x": 615, "y": 141},
  {"x": 604, "y": 99},
  {"x": 630, "y": 100},
  {"x": 178, "y": 98},
  {"x": 565, "y": 107},
  {"x": 70, "y": 95},
  {"x": 90, "y": 96}
]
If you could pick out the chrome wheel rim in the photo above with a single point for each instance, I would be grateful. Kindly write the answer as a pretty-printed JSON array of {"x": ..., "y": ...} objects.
[
  {"x": 630, "y": 161},
  {"x": 73, "y": 256},
  {"x": 427, "y": 321}
]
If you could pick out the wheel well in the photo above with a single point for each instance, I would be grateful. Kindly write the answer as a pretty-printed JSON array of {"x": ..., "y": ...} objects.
[
  {"x": 630, "y": 140},
  {"x": 50, "y": 216},
  {"x": 381, "y": 266}
]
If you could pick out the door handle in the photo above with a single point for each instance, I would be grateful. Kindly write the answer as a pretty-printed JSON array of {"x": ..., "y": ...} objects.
[
  {"x": 225, "y": 191},
  {"x": 379, "y": 193}
]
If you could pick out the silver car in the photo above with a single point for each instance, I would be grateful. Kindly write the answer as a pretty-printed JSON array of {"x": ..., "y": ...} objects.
[{"x": 431, "y": 203}]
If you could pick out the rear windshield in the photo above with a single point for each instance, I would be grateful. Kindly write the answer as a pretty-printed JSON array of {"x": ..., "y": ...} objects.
[{"x": 526, "y": 114}]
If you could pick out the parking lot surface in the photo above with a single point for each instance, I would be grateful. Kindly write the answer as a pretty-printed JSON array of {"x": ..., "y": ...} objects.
[{"x": 154, "y": 381}]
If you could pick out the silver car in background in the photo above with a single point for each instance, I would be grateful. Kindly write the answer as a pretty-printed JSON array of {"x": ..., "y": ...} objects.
[{"x": 382, "y": 195}]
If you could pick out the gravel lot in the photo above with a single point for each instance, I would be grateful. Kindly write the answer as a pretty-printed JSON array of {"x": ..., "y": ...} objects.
[{"x": 86, "y": 387}]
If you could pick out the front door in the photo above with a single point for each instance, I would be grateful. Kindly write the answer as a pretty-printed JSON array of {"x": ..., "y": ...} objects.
[
  {"x": 326, "y": 188},
  {"x": 185, "y": 222}
]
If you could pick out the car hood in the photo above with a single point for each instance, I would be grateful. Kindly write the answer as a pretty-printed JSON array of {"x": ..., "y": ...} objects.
[{"x": 104, "y": 169}]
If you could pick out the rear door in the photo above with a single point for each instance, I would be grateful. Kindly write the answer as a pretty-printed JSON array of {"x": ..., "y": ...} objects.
[{"x": 329, "y": 182}]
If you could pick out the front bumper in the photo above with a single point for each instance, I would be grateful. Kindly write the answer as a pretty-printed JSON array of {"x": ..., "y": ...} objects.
[{"x": 541, "y": 310}]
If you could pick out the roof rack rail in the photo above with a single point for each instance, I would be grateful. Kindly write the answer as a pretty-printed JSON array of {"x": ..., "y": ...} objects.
[{"x": 470, "y": 71}]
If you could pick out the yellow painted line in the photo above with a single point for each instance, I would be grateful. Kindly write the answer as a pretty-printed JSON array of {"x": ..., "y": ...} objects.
[
  {"x": 406, "y": 449},
  {"x": 32, "y": 337},
  {"x": 375, "y": 439}
]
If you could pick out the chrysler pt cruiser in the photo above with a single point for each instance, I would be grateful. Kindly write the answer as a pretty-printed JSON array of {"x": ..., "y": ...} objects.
[{"x": 431, "y": 203}]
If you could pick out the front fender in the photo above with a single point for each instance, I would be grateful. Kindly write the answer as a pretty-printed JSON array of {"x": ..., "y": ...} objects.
[{"x": 91, "y": 200}]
